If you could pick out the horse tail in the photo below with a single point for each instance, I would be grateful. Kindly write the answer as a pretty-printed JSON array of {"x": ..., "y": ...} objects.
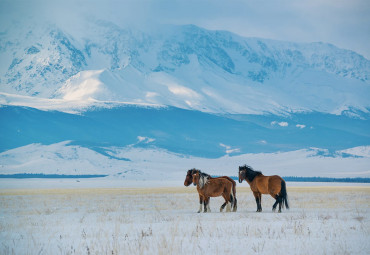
[
  {"x": 284, "y": 195},
  {"x": 234, "y": 204}
]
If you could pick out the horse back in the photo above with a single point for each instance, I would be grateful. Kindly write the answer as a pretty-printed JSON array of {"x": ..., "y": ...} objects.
[
  {"x": 260, "y": 184},
  {"x": 217, "y": 186},
  {"x": 228, "y": 178},
  {"x": 275, "y": 184},
  {"x": 266, "y": 184}
]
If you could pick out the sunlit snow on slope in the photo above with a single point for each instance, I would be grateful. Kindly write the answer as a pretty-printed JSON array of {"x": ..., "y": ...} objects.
[{"x": 82, "y": 86}]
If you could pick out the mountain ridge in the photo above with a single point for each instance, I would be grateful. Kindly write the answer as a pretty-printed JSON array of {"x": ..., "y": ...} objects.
[{"x": 183, "y": 66}]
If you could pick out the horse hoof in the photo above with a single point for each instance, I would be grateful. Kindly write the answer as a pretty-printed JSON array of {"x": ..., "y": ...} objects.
[{"x": 199, "y": 212}]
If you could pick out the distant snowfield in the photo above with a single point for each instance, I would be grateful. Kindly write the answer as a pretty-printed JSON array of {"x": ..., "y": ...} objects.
[{"x": 155, "y": 164}]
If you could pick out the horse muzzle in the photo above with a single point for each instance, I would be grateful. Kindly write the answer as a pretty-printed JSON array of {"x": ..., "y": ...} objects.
[{"x": 240, "y": 181}]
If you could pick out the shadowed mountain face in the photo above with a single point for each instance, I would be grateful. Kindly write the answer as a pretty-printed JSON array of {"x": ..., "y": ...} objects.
[{"x": 182, "y": 131}]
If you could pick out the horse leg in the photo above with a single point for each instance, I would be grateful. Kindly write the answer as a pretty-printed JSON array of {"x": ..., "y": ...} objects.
[
  {"x": 257, "y": 196},
  {"x": 227, "y": 204},
  {"x": 228, "y": 207},
  {"x": 208, "y": 208},
  {"x": 260, "y": 202},
  {"x": 200, "y": 203},
  {"x": 280, "y": 203},
  {"x": 279, "y": 200},
  {"x": 206, "y": 205},
  {"x": 276, "y": 202},
  {"x": 230, "y": 202},
  {"x": 222, "y": 206},
  {"x": 235, "y": 204}
]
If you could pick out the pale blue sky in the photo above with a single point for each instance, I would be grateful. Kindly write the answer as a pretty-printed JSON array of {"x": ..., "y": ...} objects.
[{"x": 345, "y": 23}]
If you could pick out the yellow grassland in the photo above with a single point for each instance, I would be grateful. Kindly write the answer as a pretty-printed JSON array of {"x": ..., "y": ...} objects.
[{"x": 175, "y": 190}]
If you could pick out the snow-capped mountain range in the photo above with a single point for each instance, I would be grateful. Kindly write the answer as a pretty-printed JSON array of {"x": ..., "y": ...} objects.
[
  {"x": 102, "y": 98},
  {"x": 182, "y": 66}
]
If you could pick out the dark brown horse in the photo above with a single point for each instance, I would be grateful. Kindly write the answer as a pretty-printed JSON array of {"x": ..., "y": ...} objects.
[
  {"x": 189, "y": 180},
  {"x": 260, "y": 184},
  {"x": 213, "y": 187}
]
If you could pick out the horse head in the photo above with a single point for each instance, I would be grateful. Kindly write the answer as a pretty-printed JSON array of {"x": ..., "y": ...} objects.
[
  {"x": 196, "y": 178},
  {"x": 242, "y": 173},
  {"x": 246, "y": 172},
  {"x": 188, "y": 178}
]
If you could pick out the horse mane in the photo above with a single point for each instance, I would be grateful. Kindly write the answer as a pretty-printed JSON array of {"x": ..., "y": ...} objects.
[
  {"x": 250, "y": 172},
  {"x": 203, "y": 177}
]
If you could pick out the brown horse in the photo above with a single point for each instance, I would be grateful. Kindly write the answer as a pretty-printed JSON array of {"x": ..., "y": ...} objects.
[
  {"x": 260, "y": 184},
  {"x": 189, "y": 180},
  {"x": 213, "y": 187}
]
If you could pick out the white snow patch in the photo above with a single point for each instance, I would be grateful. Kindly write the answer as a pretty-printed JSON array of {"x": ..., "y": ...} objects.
[
  {"x": 150, "y": 94},
  {"x": 229, "y": 149},
  {"x": 281, "y": 124},
  {"x": 143, "y": 139},
  {"x": 362, "y": 151},
  {"x": 182, "y": 91},
  {"x": 64, "y": 105},
  {"x": 82, "y": 86}
]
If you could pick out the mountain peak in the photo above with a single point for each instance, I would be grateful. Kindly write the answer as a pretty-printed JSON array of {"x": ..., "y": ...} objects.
[{"x": 184, "y": 66}]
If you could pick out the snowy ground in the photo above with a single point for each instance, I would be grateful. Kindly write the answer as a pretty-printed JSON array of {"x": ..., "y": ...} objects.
[{"x": 322, "y": 220}]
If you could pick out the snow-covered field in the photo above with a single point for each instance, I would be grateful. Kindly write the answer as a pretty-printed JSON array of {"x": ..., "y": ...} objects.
[{"x": 163, "y": 220}]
